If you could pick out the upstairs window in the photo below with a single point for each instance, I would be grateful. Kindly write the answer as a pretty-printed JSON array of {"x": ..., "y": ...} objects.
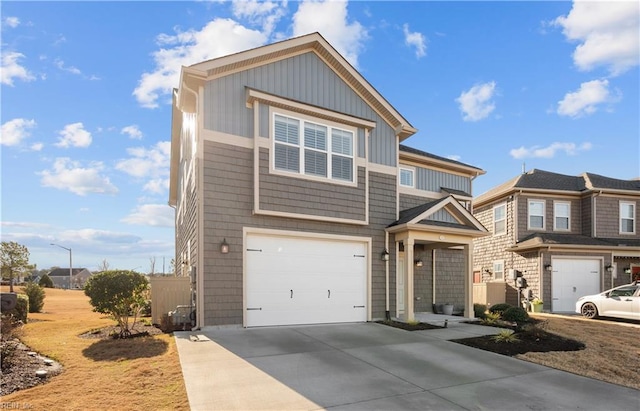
[
  {"x": 500, "y": 219},
  {"x": 536, "y": 215},
  {"x": 561, "y": 216},
  {"x": 406, "y": 177},
  {"x": 313, "y": 149},
  {"x": 627, "y": 218}
]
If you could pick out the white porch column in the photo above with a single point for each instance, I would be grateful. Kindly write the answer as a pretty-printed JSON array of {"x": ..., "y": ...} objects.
[
  {"x": 408, "y": 280},
  {"x": 468, "y": 282}
]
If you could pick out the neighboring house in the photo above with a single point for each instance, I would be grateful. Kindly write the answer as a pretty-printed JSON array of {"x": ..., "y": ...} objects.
[
  {"x": 60, "y": 277},
  {"x": 568, "y": 236},
  {"x": 296, "y": 203}
]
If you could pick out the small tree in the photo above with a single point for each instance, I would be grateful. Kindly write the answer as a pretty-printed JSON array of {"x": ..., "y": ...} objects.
[
  {"x": 35, "y": 293},
  {"x": 14, "y": 260},
  {"x": 120, "y": 294},
  {"x": 45, "y": 281}
]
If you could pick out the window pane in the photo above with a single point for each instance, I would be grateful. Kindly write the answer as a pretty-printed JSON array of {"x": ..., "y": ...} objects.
[
  {"x": 287, "y": 158},
  {"x": 342, "y": 168},
  {"x": 315, "y": 163},
  {"x": 562, "y": 223},
  {"x": 341, "y": 142},
  {"x": 287, "y": 130},
  {"x": 499, "y": 213},
  {"x": 536, "y": 208},
  {"x": 626, "y": 211},
  {"x": 626, "y": 225},
  {"x": 315, "y": 136},
  {"x": 406, "y": 178},
  {"x": 562, "y": 210},
  {"x": 500, "y": 227},
  {"x": 535, "y": 221}
]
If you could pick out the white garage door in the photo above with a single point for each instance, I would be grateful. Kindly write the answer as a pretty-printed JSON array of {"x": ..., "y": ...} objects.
[
  {"x": 572, "y": 279},
  {"x": 299, "y": 280}
]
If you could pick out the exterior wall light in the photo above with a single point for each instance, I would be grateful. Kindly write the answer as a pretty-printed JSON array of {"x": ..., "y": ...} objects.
[
  {"x": 627, "y": 270},
  {"x": 418, "y": 263},
  {"x": 609, "y": 268},
  {"x": 384, "y": 255},
  {"x": 548, "y": 267},
  {"x": 224, "y": 247}
]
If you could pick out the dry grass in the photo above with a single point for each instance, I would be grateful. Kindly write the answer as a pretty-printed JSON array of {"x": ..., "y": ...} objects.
[
  {"x": 136, "y": 374},
  {"x": 612, "y": 350}
]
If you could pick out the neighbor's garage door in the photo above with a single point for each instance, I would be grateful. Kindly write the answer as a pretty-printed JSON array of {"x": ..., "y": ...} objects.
[
  {"x": 572, "y": 279},
  {"x": 299, "y": 280}
]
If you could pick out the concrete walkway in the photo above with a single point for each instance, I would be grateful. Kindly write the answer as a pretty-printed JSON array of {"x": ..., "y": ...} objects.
[{"x": 368, "y": 366}]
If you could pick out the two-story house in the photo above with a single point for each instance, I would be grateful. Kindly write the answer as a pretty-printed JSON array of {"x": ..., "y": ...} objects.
[
  {"x": 61, "y": 277},
  {"x": 295, "y": 202},
  {"x": 568, "y": 236}
]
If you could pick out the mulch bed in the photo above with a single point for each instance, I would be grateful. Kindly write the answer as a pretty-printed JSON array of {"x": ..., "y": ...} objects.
[
  {"x": 540, "y": 341},
  {"x": 410, "y": 327}
]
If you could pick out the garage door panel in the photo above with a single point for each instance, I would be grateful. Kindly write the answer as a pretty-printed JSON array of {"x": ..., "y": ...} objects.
[
  {"x": 304, "y": 280},
  {"x": 572, "y": 279}
]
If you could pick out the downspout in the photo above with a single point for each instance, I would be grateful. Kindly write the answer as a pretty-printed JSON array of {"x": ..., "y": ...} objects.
[
  {"x": 387, "y": 314},
  {"x": 594, "y": 207},
  {"x": 433, "y": 276}
]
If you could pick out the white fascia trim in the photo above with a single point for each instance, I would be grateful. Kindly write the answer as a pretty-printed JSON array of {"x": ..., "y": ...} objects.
[
  {"x": 311, "y": 217},
  {"x": 224, "y": 138}
]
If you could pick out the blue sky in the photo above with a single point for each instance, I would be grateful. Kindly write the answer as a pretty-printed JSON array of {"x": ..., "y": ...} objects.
[{"x": 86, "y": 114}]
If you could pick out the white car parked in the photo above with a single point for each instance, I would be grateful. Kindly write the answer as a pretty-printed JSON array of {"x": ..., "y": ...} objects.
[{"x": 619, "y": 302}]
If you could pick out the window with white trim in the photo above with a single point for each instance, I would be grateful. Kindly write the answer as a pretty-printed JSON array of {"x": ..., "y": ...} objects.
[
  {"x": 627, "y": 217},
  {"x": 498, "y": 270},
  {"x": 406, "y": 177},
  {"x": 500, "y": 219},
  {"x": 313, "y": 149},
  {"x": 536, "y": 215},
  {"x": 561, "y": 216}
]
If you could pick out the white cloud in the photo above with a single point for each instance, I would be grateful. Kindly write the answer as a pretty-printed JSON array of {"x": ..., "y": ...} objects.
[
  {"x": 549, "y": 151},
  {"x": 12, "y": 22},
  {"x": 415, "y": 39},
  {"x": 608, "y": 33},
  {"x": 70, "y": 175},
  {"x": 70, "y": 69},
  {"x": 190, "y": 47},
  {"x": 160, "y": 215},
  {"x": 37, "y": 146},
  {"x": 152, "y": 164},
  {"x": 74, "y": 135},
  {"x": 133, "y": 131},
  {"x": 263, "y": 13},
  {"x": 11, "y": 69},
  {"x": 330, "y": 19},
  {"x": 585, "y": 100},
  {"x": 16, "y": 130},
  {"x": 476, "y": 103}
]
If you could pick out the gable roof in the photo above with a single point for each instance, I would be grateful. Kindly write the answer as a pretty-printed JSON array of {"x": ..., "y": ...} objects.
[
  {"x": 314, "y": 42},
  {"x": 418, "y": 217},
  {"x": 546, "y": 181},
  {"x": 64, "y": 272}
]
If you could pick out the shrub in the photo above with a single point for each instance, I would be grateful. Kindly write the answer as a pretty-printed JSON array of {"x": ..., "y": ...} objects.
[
  {"x": 479, "y": 310},
  {"x": 506, "y": 336},
  {"x": 490, "y": 318},
  {"x": 35, "y": 294},
  {"x": 7, "y": 357},
  {"x": 45, "y": 281},
  {"x": 19, "y": 313},
  {"x": 516, "y": 315},
  {"x": 500, "y": 308},
  {"x": 120, "y": 294}
]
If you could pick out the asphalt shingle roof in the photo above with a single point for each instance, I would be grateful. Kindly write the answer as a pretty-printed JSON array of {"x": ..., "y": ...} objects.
[{"x": 412, "y": 150}]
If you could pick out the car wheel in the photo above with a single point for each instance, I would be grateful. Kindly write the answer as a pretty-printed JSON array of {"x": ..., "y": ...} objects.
[{"x": 589, "y": 310}]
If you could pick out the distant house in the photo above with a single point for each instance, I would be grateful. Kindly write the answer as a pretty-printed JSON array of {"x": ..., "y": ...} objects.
[
  {"x": 60, "y": 277},
  {"x": 568, "y": 236}
]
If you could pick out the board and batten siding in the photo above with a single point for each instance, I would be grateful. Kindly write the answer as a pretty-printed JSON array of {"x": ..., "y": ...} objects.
[
  {"x": 228, "y": 209},
  {"x": 304, "y": 78},
  {"x": 434, "y": 180}
]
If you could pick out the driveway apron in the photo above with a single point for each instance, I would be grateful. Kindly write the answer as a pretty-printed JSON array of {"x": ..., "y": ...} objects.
[{"x": 369, "y": 366}]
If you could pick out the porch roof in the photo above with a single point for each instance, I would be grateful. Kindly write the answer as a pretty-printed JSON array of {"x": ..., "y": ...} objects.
[{"x": 554, "y": 240}]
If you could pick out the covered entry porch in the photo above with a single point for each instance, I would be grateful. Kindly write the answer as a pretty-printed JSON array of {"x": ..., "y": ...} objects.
[{"x": 434, "y": 259}]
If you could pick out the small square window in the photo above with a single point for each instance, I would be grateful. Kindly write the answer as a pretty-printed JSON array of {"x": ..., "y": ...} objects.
[
  {"x": 627, "y": 217},
  {"x": 561, "y": 216},
  {"x": 498, "y": 270},
  {"x": 406, "y": 177}
]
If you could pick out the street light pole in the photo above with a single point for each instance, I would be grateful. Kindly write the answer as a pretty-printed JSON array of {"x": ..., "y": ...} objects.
[{"x": 70, "y": 263}]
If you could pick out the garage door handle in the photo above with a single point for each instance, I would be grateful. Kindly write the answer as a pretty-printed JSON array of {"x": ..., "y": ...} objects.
[
  {"x": 328, "y": 293},
  {"x": 291, "y": 293},
  {"x": 358, "y": 306},
  {"x": 254, "y": 309}
]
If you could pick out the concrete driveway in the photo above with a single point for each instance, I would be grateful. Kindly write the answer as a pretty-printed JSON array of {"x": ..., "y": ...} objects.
[{"x": 368, "y": 366}]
